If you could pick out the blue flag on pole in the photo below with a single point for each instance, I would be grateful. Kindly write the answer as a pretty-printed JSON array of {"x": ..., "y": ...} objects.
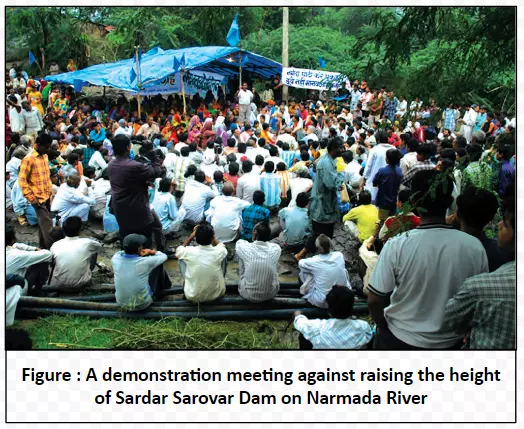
[
  {"x": 233, "y": 36},
  {"x": 32, "y": 58},
  {"x": 321, "y": 62},
  {"x": 133, "y": 73},
  {"x": 178, "y": 65}
]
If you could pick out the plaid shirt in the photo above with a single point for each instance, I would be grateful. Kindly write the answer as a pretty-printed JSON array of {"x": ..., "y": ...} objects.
[
  {"x": 88, "y": 153},
  {"x": 35, "y": 179},
  {"x": 449, "y": 119},
  {"x": 252, "y": 215},
  {"x": 486, "y": 304},
  {"x": 419, "y": 166}
]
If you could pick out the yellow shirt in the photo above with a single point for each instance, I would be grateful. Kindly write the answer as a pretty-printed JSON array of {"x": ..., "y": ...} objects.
[
  {"x": 341, "y": 165},
  {"x": 366, "y": 218}
]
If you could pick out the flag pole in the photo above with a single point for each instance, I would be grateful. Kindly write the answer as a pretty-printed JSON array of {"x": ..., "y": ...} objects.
[
  {"x": 183, "y": 88},
  {"x": 240, "y": 67},
  {"x": 138, "y": 81}
]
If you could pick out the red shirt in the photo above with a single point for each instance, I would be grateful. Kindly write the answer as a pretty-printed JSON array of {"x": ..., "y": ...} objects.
[
  {"x": 233, "y": 180},
  {"x": 394, "y": 140},
  {"x": 397, "y": 224}
]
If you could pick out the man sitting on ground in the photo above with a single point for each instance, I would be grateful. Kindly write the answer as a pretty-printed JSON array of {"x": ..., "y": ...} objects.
[
  {"x": 69, "y": 201},
  {"x": 361, "y": 221},
  {"x": 74, "y": 257},
  {"x": 139, "y": 274},
  {"x": 26, "y": 261},
  {"x": 403, "y": 222},
  {"x": 321, "y": 272},
  {"x": 295, "y": 222},
  {"x": 248, "y": 183},
  {"x": 258, "y": 265},
  {"x": 197, "y": 194},
  {"x": 165, "y": 207},
  {"x": 203, "y": 267},
  {"x": 225, "y": 214},
  {"x": 254, "y": 214},
  {"x": 338, "y": 332}
]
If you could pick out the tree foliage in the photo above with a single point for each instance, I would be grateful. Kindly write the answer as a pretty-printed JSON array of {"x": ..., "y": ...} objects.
[{"x": 446, "y": 53}]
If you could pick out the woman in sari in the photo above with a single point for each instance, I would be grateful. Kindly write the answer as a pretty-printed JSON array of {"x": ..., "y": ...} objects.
[
  {"x": 207, "y": 133},
  {"x": 194, "y": 132},
  {"x": 71, "y": 66},
  {"x": 169, "y": 132},
  {"x": 220, "y": 128},
  {"x": 35, "y": 97}
]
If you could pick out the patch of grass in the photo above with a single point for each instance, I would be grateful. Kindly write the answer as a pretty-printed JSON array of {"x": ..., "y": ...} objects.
[{"x": 73, "y": 332}]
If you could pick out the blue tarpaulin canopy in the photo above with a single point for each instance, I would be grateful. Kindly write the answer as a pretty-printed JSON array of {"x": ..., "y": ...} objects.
[{"x": 157, "y": 64}]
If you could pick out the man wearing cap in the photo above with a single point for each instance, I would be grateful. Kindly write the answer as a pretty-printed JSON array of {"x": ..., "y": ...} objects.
[
  {"x": 139, "y": 274},
  {"x": 129, "y": 190},
  {"x": 468, "y": 122},
  {"x": 481, "y": 118}
]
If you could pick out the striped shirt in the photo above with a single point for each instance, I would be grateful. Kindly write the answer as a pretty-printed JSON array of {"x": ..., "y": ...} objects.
[
  {"x": 180, "y": 167},
  {"x": 334, "y": 333},
  {"x": 257, "y": 268},
  {"x": 34, "y": 178},
  {"x": 284, "y": 182},
  {"x": 288, "y": 156},
  {"x": 486, "y": 304},
  {"x": 270, "y": 185}
]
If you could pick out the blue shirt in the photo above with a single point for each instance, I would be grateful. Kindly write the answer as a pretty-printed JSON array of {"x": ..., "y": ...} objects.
[
  {"x": 288, "y": 156},
  {"x": 165, "y": 207},
  {"x": 252, "y": 215},
  {"x": 98, "y": 137},
  {"x": 506, "y": 176},
  {"x": 270, "y": 185},
  {"x": 388, "y": 181},
  {"x": 296, "y": 225}
]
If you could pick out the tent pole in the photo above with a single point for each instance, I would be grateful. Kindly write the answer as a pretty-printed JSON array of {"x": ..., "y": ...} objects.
[
  {"x": 138, "y": 80},
  {"x": 183, "y": 90},
  {"x": 139, "y": 111},
  {"x": 240, "y": 68}
]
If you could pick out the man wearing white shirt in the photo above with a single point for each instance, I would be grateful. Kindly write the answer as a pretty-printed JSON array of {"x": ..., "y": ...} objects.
[
  {"x": 196, "y": 195},
  {"x": 99, "y": 190},
  {"x": 376, "y": 160},
  {"x": 310, "y": 135},
  {"x": 402, "y": 106},
  {"x": 244, "y": 103},
  {"x": 31, "y": 120},
  {"x": 12, "y": 71},
  {"x": 74, "y": 257},
  {"x": 124, "y": 128},
  {"x": 25, "y": 261},
  {"x": 97, "y": 160},
  {"x": 301, "y": 183},
  {"x": 352, "y": 170},
  {"x": 285, "y": 137},
  {"x": 410, "y": 158},
  {"x": 225, "y": 214},
  {"x": 248, "y": 183},
  {"x": 259, "y": 150},
  {"x": 203, "y": 267},
  {"x": 149, "y": 129},
  {"x": 469, "y": 122},
  {"x": 15, "y": 115},
  {"x": 69, "y": 201},
  {"x": 19, "y": 82}
]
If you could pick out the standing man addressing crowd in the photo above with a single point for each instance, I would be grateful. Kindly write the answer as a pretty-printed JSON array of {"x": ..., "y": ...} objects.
[{"x": 245, "y": 97}]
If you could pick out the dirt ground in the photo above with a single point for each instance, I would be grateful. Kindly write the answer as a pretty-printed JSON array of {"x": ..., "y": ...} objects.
[{"x": 288, "y": 270}]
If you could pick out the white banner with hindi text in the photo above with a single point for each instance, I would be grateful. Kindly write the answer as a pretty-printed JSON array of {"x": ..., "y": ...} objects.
[{"x": 312, "y": 79}]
